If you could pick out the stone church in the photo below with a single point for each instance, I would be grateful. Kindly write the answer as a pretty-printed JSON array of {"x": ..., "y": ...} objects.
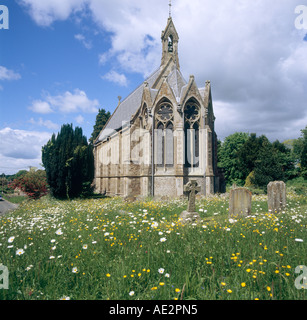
[{"x": 161, "y": 136}]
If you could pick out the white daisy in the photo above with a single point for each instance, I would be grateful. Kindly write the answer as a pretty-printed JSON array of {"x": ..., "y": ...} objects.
[
  {"x": 19, "y": 252},
  {"x": 59, "y": 232}
]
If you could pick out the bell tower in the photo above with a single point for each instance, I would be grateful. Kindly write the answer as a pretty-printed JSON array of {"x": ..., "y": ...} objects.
[{"x": 170, "y": 41}]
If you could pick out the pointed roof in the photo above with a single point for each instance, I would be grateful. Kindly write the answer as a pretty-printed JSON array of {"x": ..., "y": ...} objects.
[
  {"x": 126, "y": 109},
  {"x": 169, "y": 71},
  {"x": 177, "y": 83},
  {"x": 170, "y": 29}
]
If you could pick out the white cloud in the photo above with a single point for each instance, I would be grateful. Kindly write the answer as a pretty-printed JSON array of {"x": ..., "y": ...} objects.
[
  {"x": 66, "y": 103},
  {"x": 116, "y": 77},
  {"x": 103, "y": 58},
  {"x": 74, "y": 102},
  {"x": 250, "y": 50},
  {"x": 45, "y": 123},
  {"x": 42, "y": 107},
  {"x": 44, "y": 13},
  {"x": 20, "y": 149},
  {"x": 6, "y": 74},
  {"x": 79, "y": 119},
  {"x": 87, "y": 44}
]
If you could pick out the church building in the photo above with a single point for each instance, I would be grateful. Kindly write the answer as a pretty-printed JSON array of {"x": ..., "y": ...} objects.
[{"x": 161, "y": 136}]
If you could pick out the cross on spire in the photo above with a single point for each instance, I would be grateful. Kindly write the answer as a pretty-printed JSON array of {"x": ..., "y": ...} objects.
[{"x": 170, "y": 8}]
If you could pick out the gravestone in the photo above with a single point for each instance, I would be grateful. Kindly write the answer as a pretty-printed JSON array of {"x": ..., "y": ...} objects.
[
  {"x": 240, "y": 202},
  {"x": 190, "y": 215},
  {"x": 277, "y": 196}
]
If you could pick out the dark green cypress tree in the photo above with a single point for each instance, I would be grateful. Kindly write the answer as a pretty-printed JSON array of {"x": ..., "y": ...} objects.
[
  {"x": 69, "y": 162},
  {"x": 101, "y": 120}
]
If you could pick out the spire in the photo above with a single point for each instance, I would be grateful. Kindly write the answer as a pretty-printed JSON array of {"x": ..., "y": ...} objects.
[{"x": 170, "y": 40}]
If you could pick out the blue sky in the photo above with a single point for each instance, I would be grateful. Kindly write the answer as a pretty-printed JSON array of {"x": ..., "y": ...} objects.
[
  {"x": 62, "y": 60},
  {"x": 48, "y": 62}
]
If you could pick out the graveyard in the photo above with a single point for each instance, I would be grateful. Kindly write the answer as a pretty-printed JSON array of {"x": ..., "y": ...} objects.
[{"x": 112, "y": 249}]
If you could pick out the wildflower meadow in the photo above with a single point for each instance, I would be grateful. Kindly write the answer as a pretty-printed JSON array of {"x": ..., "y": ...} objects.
[{"x": 110, "y": 249}]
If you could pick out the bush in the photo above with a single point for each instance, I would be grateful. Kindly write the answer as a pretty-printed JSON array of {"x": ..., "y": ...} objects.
[
  {"x": 299, "y": 185},
  {"x": 33, "y": 184}
]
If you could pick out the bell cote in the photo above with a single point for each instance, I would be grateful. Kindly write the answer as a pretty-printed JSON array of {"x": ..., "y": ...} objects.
[{"x": 170, "y": 40}]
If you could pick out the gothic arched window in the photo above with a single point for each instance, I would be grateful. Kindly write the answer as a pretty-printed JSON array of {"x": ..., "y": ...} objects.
[
  {"x": 191, "y": 130},
  {"x": 164, "y": 135}
]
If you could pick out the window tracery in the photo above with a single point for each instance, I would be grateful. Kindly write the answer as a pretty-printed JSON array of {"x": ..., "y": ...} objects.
[
  {"x": 165, "y": 136},
  {"x": 192, "y": 137}
]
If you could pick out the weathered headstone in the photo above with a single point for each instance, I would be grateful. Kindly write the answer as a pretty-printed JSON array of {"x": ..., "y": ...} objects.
[
  {"x": 191, "y": 188},
  {"x": 277, "y": 197},
  {"x": 240, "y": 202}
]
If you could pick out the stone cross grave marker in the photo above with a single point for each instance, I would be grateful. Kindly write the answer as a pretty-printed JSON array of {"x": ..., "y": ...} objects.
[
  {"x": 277, "y": 196},
  {"x": 191, "y": 188},
  {"x": 240, "y": 202},
  {"x": 191, "y": 215}
]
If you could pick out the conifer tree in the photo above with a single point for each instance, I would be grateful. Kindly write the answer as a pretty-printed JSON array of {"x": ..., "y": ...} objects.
[
  {"x": 101, "y": 120},
  {"x": 69, "y": 162}
]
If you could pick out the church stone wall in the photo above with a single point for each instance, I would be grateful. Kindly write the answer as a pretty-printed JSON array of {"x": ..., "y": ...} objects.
[{"x": 123, "y": 161}]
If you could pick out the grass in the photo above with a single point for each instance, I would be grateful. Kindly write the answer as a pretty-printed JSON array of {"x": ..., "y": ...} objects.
[
  {"x": 110, "y": 249},
  {"x": 15, "y": 198}
]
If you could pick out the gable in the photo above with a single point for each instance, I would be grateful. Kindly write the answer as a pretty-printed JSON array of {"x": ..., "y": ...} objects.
[{"x": 126, "y": 109}]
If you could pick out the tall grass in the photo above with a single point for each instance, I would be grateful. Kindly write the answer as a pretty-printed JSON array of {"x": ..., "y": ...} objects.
[{"x": 109, "y": 249}]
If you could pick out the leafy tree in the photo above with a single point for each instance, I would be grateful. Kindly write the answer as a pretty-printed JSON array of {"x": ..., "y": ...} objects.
[
  {"x": 69, "y": 162},
  {"x": 228, "y": 157},
  {"x": 20, "y": 173},
  {"x": 286, "y": 159},
  {"x": 267, "y": 166},
  {"x": 249, "y": 153},
  {"x": 254, "y": 160},
  {"x": 33, "y": 184},
  {"x": 101, "y": 120},
  {"x": 300, "y": 151}
]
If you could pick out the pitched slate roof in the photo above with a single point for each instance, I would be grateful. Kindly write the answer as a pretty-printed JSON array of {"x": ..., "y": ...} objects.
[
  {"x": 177, "y": 83},
  {"x": 127, "y": 108}
]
